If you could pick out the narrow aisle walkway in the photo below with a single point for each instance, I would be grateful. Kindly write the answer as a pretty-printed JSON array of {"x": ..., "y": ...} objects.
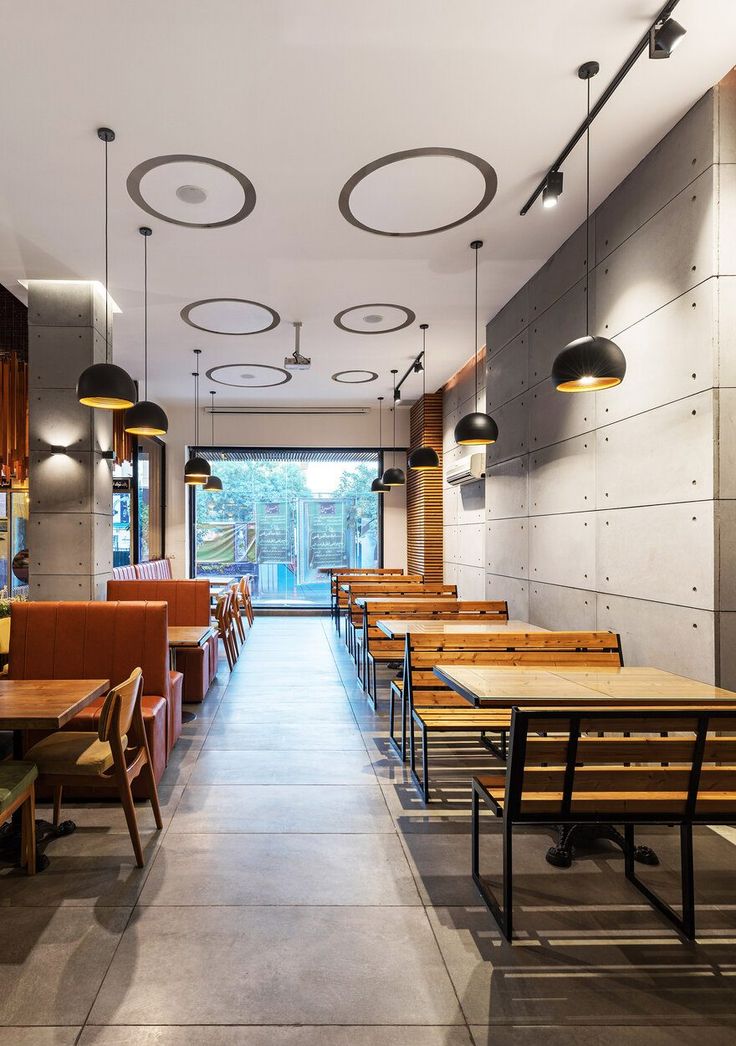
[{"x": 281, "y": 893}]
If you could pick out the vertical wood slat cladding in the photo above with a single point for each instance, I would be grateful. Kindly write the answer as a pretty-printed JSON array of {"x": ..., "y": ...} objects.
[{"x": 424, "y": 521}]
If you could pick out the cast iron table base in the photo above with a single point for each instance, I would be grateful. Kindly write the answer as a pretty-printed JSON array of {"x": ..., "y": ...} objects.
[{"x": 561, "y": 855}]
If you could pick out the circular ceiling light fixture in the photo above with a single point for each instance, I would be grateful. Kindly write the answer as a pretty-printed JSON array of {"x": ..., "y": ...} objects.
[
  {"x": 233, "y": 316},
  {"x": 356, "y": 320},
  {"x": 418, "y": 192},
  {"x": 343, "y": 378},
  {"x": 167, "y": 186},
  {"x": 225, "y": 373}
]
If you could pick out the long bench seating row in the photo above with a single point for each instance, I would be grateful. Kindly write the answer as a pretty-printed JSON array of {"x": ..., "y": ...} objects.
[
  {"x": 151, "y": 570},
  {"x": 338, "y": 577},
  {"x": 400, "y": 589},
  {"x": 72, "y": 640},
  {"x": 564, "y": 770},
  {"x": 189, "y": 604}
]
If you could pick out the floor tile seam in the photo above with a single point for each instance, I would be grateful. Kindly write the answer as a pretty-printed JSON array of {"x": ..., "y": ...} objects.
[{"x": 342, "y": 681}]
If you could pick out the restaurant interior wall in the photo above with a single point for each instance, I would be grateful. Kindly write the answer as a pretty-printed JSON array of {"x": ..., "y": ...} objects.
[
  {"x": 280, "y": 430},
  {"x": 616, "y": 509}
]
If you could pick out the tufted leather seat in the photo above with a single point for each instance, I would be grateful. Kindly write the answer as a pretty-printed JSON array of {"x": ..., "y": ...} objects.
[
  {"x": 189, "y": 604},
  {"x": 102, "y": 641}
]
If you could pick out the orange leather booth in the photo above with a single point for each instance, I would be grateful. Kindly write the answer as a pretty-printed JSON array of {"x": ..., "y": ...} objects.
[
  {"x": 102, "y": 641},
  {"x": 189, "y": 604}
]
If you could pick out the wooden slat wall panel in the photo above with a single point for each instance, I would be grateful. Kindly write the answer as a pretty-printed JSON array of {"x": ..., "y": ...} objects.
[
  {"x": 424, "y": 518},
  {"x": 13, "y": 390}
]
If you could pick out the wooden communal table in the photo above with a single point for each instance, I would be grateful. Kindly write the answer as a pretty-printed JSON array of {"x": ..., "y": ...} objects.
[
  {"x": 565, "y": 686},
  {"x": 41, "y": 704},
  {"x": 182, "y": 637},
  {"x": 490, "y": 687},
  {"x": 469, "y": 625}
]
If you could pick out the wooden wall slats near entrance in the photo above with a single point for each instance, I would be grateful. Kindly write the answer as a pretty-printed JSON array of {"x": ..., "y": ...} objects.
[{"x": 424, "y": 517}]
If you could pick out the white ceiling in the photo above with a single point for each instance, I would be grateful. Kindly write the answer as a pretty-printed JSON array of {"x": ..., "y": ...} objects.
[{"x": 298, "y": 95}]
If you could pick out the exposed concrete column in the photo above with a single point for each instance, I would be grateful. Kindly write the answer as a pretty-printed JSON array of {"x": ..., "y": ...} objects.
[{"x": 70, "y": 531}]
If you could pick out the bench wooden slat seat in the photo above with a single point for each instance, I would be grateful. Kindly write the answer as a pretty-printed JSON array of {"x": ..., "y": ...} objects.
[
  {"x": 625, "y": 779},
  {"x": 379, "y": 649},
  {"x": 339, "y": 577},
  {"x": 523, "y": 648},
  {"x": 403, "y": 588}
]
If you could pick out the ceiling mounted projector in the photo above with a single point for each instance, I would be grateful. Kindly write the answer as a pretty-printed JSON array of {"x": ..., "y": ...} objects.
[{"x": 296, "y": 361}]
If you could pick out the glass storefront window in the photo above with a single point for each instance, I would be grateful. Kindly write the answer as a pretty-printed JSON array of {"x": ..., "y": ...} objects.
[{"x": 280, "y": 518}]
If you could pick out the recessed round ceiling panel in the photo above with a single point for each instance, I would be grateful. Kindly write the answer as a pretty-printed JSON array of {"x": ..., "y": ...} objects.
[
  {"x": 418, "y": 192},
  {"x": 354, "y": 377},
  {"x": 195, "y": 191},
  {"x": 230, "y": 316},
  {"x": 248, "y": 375},
  {"x": 374, "y": 318}
]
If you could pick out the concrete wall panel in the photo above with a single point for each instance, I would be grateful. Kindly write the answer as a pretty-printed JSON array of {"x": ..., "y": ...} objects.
[
  {"x": 507, "y": 488},
  {"x": 470, "y": 544},
  {"x": 562, "y": 478},
  {"x": 553, "y": 329},
  {"x": 513, "y": 430},
  {"x": 507, "y": 547},
  {"x": 555, "y": 416},
  {"x": 470, "y": 582},
  {"x": 674, "y": 638},
  {"x": 663, "y": 553},
  {"x": 508, "y": 373},
  {"x": 559, "y": 273},
  {"x": 513, "y": 590},
  {"x": 555, "y": 607},
  {"x": 472, "y": 502},
  {"x": 660, "y": 457},
  {"x": 562, "y": 549},
  {"x": 509, "y": 322}
]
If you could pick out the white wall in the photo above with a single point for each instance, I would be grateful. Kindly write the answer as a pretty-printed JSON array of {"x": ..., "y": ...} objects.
[{"x": 354, "y": 430}]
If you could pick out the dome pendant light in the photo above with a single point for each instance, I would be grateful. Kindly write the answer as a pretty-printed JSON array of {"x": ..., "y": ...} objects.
[
  {"x": 394, "y": 477},
  {"x": 589, "y": 364},
  {"x": 476, "y": 429},
  {"x": 106, "y": 385},
  {"x": 197, "y": 469},
  {"x": 214, "y": 482},
  {"x": 378, "y": 486},
  {"x": 424, "y": 457},
  {"x": 146, "y": 418}
]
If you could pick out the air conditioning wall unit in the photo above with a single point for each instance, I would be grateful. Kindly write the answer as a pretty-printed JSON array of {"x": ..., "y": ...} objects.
[{"x": 467, "y": 470}]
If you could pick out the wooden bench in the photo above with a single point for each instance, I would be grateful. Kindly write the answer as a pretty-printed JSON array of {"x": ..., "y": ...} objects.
[
  {"x": 578, "y": 775},
  {"x": 434, "y": 709},
  {"x": 342, "y": 598},
  {"x": 379, "y": 649},
  {"x": 402, "y": 588},
  {"x": 350, "y": 573}
]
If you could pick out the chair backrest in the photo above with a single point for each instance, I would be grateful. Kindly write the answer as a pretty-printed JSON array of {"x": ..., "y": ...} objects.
[
  {"x": 347, "y": 577},
  {"x": 588, "y": 765},
  {"x": 188, "y": 601},
  {"x": 91, "y": 641},
  {"x": 542, "y": 649},
  {"x": 399, "y": 589},
  {"x": 120, "y": 705},
  {"x": 438, "y": 610},
  {"x": 125, "y": 572}
]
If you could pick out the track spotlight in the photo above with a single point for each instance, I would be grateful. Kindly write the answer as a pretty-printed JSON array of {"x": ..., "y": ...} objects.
[
  {"x": 664, "y": 38},
  {"x": 552, "y": 189}
]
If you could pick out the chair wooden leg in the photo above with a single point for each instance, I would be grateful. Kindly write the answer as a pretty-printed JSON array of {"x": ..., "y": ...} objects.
[
  {"x": 58, "y": 789},
  {"x": 147, "y": 773},
  {"x": 126, "y": 798},
  {"x": 28, "y": 828}
]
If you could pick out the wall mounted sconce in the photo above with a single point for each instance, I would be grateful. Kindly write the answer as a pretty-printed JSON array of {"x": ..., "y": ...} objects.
[
  {"x": 58, "y": 449},
  {"x": 108, "y": 455}
]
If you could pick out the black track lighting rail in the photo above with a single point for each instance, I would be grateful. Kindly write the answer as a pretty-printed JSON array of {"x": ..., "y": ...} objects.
[
  {"x": 642, "y": 45},
  {"x": 413, "y": 368}
]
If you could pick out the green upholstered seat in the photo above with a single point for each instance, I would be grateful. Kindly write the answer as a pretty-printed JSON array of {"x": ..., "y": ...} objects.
[{"x": 16, "y": 777}]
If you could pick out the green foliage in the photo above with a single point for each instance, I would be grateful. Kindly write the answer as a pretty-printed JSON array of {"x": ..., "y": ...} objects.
[{"x": 244, "y": 483}]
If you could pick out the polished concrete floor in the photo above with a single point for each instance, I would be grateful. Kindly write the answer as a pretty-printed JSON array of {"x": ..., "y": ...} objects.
[{"x": 300, "y": 895}]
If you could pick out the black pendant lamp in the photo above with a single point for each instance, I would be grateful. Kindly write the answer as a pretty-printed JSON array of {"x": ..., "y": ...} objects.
[
  {"x": 146, "y": 418},
  {"x": 589, "y": 364},
  {"x": 476, "y": 429},
  {"x": 197, "y": 470},
  {"x": 106, "y": 385},
  {"x": 394, "y": 477},
  {"x": 378, "y": 486},
  {"x": 423, "y": 458},
  {"x": 214, "y": 482}
]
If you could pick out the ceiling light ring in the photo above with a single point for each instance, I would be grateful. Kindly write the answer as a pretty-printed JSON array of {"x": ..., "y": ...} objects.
[
  {"x": 211, "y": 374},
  {"x": 134, "y": 179},
  {"x": 409, "y": 314},
  {"x": 485, "y": 169},
  {"x": 338, "y": 377},
  {"x": 185, "y": 315}
]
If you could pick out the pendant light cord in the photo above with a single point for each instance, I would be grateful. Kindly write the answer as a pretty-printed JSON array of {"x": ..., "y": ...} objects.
[
  {"x": 393, "y": 453},
  {"x": 587, "y": 219},
  {"x": 107, "y": 333},
  {"x": 145, "y": 317},
  {"x": 212, "y": 416},
  {"x": 475, "y": 335},
  {"x": 424, "y": 368}
]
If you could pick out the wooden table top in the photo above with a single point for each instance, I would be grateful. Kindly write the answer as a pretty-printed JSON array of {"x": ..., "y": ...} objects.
[
  {"x": 501, "y": 687},
  {"x": 332, "y": 570},
  {"x": 443, "y": 602},
  {"x": 189, "y": 635},
  {"x": 45, "y": 704},
  {"x": 400, "y": 627}
]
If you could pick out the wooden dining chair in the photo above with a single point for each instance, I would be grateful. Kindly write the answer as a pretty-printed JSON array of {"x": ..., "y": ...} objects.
[
  {"x": 245, "y": 597},
  {"x": 225, "y": 629},
  {"x": 18, "y": 792},
  {"x": 118, "y": 754},
  {"x": 238, "y": 611}
]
